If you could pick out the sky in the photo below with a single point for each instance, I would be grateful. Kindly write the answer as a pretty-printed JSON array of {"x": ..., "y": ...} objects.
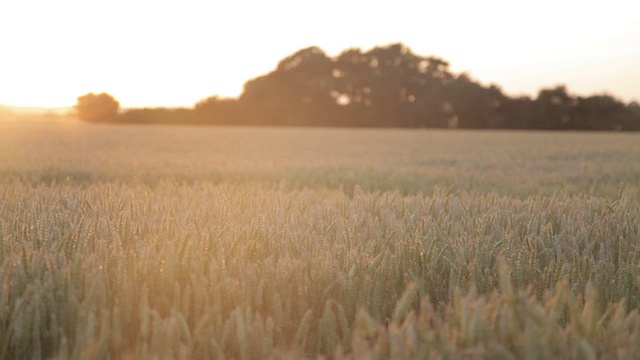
[{"x": 175, "y": 53}]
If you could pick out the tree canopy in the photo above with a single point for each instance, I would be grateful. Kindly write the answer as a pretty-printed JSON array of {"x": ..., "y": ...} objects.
[
  {"x": 387, "y": 86},
  {"x": 97, "y": 107}
]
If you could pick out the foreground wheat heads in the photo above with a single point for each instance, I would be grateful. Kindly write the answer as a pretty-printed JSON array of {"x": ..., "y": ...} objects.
[{"x": 126, "y": 270}]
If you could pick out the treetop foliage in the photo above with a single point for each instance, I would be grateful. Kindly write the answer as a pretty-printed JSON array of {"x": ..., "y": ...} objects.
[
  {"x": 390, "y": 86},
  {"x": 97, "y": 107}
]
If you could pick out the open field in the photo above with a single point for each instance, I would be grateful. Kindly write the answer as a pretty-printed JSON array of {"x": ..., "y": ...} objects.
[
  {"x": 409, "y": 161},
  {"x": 212, "y": 242}
]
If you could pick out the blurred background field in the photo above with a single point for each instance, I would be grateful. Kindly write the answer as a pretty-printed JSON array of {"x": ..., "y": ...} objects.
[{"x": 409, "y": 161}]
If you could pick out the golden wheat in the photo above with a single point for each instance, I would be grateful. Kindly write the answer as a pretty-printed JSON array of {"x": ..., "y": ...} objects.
[{"x": 286, "y": 254}]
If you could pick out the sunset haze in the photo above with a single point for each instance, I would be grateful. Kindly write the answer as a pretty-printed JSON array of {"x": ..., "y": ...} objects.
[{"x": 176, "y": 53}]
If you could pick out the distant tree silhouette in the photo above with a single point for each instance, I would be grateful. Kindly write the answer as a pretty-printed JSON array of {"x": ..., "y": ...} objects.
[
  {"x": 156, "y": 116},
  {"x": 632, "y": 118},
  {"x": 96, "y": 107},
  {"x": 221, "y": 111},
  {"x": 391, "y": 86},
  {"x": 475, "y": 106},
  {"x": 599, "y": 112},
  {"x": 552, "y": 109},
  {"x": 386, "y": 86},
  {"x": 518, "y": 112},
  {"x": 555, "y": 109},
  {"x": 297, "y": 92}
]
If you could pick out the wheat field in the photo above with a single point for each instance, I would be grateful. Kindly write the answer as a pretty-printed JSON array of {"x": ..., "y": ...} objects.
[{"x": 257, "y": 243}]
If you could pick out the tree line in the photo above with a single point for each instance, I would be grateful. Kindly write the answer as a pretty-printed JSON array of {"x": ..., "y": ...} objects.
[{"x": 387, "y": 86}]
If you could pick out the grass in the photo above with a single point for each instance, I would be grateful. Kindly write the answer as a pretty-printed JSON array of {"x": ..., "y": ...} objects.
[{"x": 143, "y": 242}]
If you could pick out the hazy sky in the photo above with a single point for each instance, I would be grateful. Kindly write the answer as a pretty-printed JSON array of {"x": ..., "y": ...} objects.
[{"x": 152, "y": 53}]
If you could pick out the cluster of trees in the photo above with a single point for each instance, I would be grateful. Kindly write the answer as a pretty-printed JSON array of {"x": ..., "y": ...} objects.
[{"x": 386, "y": 86}]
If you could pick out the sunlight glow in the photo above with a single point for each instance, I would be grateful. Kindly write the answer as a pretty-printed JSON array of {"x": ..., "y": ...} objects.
[{"x": 149, "y": 53}]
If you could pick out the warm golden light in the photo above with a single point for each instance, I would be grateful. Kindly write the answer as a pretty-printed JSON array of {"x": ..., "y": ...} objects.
[{"x": 157, "y": 54}]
